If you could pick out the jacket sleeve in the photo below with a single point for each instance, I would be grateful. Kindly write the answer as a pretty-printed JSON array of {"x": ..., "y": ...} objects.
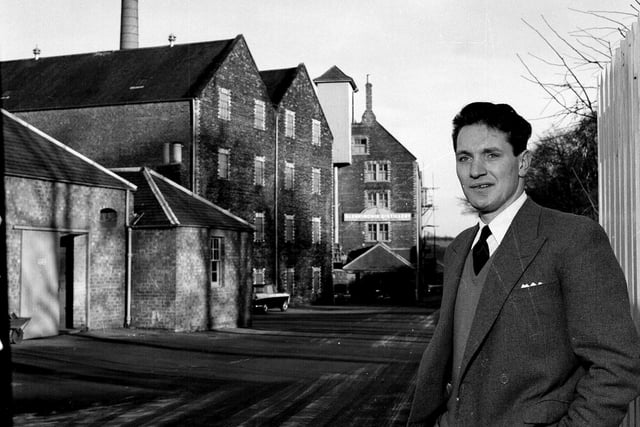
[{"x": 603, "y": 336}]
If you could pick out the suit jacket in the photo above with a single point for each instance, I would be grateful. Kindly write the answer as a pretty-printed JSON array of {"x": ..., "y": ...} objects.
[{"x": 552, "y": 341}]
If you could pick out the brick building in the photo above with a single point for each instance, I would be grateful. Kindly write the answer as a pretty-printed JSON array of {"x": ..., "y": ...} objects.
[
  {"x": 66, "y": 234},
  {"x": 378, "y": 210},
  {"x": 201, "y": 115},
  {"x": 304, "y": 198},
  {"x": 192, "y": 259}
]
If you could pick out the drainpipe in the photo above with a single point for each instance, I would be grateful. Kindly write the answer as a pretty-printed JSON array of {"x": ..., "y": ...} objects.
[
  {"x": 275, "y": 207},
  {"x": 194, "y": 170},
  {"x": 127, "y": 295}
]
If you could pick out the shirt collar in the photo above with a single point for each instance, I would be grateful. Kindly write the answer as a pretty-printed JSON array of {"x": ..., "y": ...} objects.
[{"x": 501, "y": 223}]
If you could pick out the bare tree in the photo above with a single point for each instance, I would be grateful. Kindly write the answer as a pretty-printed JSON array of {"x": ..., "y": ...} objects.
[{"x": 576, "y": 60}]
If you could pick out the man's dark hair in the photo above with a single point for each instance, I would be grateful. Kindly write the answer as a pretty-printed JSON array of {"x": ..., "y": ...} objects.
[{"x": 497, "y": 116}]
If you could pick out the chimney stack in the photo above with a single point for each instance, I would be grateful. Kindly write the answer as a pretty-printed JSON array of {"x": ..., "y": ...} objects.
[
  {"x": 129, "y": 25},
  {"x": 368, "y": 117}
]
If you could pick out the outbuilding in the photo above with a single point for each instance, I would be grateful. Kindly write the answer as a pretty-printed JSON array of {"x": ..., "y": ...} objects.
[
  {"x": 66, "y": 234},
  {"x": 191, "y": 266}
]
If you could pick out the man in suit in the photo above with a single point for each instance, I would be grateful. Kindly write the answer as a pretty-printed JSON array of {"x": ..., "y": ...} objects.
[{"x": 535, "y": 325}]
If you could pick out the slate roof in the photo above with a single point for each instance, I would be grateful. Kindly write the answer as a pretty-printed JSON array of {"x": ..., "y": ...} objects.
[
  {"x": 112, "y": 77},
  {"x": 278, "y": 82},
  {"x": 334, "y": 75},
  {"x": 379, "y": 258},
  {"x": 160, "y": 202},
  {"x": 30, "y": 153}
]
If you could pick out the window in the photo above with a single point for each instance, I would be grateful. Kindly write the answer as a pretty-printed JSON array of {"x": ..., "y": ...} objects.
[
  {"x": 376, "y": 199},
  {"x": 316, "y": 276},
  {"x": 258, "y": 235},
  {"x": 290, "y": 280},
  {"x": 360, "y": 145},
  {"x": 224, "y": 104},
  {"x": 377, "y": 171},
  {"x": 216, "y": 260},
  {"x": 289, "y": 228},
  {"x": 315, "y": 180},
  {"x": 377, "y": 232},
  {"x": 223, "y": 163},
  {"x": 259, "y": 114},
  {"x": 289, "y": 175},
  {"x": 258, "y": 171},
  {"x": 315, "y": 132},
  {"x": 258, "y": 276},
  {"x": 315, "y": 230},
  {"x": 289, "y": 124},
  {"x": 108, "y": 217}
]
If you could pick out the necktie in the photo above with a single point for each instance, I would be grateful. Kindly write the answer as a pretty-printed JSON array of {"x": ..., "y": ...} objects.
[{"x": 481, "y": 250}]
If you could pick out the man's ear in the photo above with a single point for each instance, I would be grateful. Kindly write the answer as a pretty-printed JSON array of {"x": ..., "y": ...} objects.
[{"x": 524, "y": 161}]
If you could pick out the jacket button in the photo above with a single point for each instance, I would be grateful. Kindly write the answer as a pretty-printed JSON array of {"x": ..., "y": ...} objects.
[{"x": 504, "y": 379}]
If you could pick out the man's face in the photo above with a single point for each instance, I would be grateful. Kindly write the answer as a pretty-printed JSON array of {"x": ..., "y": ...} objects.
[{"x": 492, "y": 177}]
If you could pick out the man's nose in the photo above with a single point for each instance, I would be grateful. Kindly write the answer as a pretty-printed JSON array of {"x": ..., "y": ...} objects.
[{"x": 477, "y": 168}]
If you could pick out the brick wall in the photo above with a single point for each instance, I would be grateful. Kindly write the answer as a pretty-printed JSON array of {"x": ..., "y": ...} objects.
[
  {"x": 171, "y": 276},
  {"x": 58, "y": 207},
  {"x": 238, "y": 194},
  {"x": 403, "y": 187},
  {"x": 153, "y": 278},
  {"x": 302, "y": 254},
  {"x": 121, "y": 135}
]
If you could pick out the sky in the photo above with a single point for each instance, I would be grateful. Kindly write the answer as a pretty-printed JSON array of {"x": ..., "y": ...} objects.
[{"x": 426, "y": 59}]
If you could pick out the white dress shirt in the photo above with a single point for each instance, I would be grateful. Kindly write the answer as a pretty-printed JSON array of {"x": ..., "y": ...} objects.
[{"x": 500, "y": 224}]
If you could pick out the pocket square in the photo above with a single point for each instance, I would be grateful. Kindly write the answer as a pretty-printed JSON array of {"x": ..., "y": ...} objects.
[{"x": 530, "y": 285}]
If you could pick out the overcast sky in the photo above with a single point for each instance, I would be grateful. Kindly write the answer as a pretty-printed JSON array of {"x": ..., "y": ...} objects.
[{"x": 426, "y": 58}]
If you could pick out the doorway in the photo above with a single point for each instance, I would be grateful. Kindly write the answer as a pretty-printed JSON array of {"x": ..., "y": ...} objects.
[{"x": 53, "y": 281}]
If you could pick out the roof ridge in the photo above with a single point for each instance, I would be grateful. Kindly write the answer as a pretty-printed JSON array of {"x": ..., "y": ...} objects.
[
  {"x": 196, "y": 196},
  {"x": 166, "y": 208}
]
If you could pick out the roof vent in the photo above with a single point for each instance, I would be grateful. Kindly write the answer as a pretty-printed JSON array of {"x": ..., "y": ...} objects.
[
  {"x": 172, "y": 39},
  {"x": 36, "y": 53}
]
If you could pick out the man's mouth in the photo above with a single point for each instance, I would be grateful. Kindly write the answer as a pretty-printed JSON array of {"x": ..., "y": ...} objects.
[{"x": 480, "y": 186}]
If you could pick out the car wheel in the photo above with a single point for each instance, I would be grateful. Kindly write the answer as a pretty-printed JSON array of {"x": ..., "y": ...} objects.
[
  {"x": 16, "y": 336},
  {"x": 284, "y": 306}
]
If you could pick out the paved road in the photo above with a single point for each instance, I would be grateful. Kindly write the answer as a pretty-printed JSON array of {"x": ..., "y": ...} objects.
[{"x": 322, "y": 366}]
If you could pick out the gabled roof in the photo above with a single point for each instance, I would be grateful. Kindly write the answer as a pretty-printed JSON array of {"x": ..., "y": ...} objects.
[
  {"x": 335, "y": 75},
  {"x": 31, "y": 153},
  {"x": 364, "y": 129},
  {"x": 278, "y": 82},
  {"x": 160, "y": 202},
  {"x": 112, "y": 77},
  {"x": 379, "y": 258}
]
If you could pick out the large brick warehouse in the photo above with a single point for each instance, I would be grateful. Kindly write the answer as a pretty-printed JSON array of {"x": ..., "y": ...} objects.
[{"x": 202, "y": 114}]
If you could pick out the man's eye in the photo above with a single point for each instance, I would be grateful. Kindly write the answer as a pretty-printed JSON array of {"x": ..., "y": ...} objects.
[
  {"x": 463, "y": 159},
  {"x": 493, "y": 155}
]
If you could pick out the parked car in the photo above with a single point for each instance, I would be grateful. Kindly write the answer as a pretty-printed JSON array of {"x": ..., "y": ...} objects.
[
  {"x": 265, "y": 297},
  {"x": 341, "y": 294}
]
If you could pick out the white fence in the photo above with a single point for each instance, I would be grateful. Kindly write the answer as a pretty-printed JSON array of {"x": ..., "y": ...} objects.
[{"x": 619, "y": 168}]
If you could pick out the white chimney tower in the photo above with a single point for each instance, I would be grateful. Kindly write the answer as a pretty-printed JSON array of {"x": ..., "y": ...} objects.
[{"x": 129, "y": 25}]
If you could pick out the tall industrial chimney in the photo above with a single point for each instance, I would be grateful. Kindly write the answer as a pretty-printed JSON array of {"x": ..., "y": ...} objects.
[{"x": 129, "y": 25}]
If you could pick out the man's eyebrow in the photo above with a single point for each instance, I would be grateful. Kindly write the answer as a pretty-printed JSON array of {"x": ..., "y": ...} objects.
[{"x": 484, "y": 150}]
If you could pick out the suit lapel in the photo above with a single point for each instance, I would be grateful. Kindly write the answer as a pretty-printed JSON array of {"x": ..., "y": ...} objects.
[{"x": 515, "y": 253}]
